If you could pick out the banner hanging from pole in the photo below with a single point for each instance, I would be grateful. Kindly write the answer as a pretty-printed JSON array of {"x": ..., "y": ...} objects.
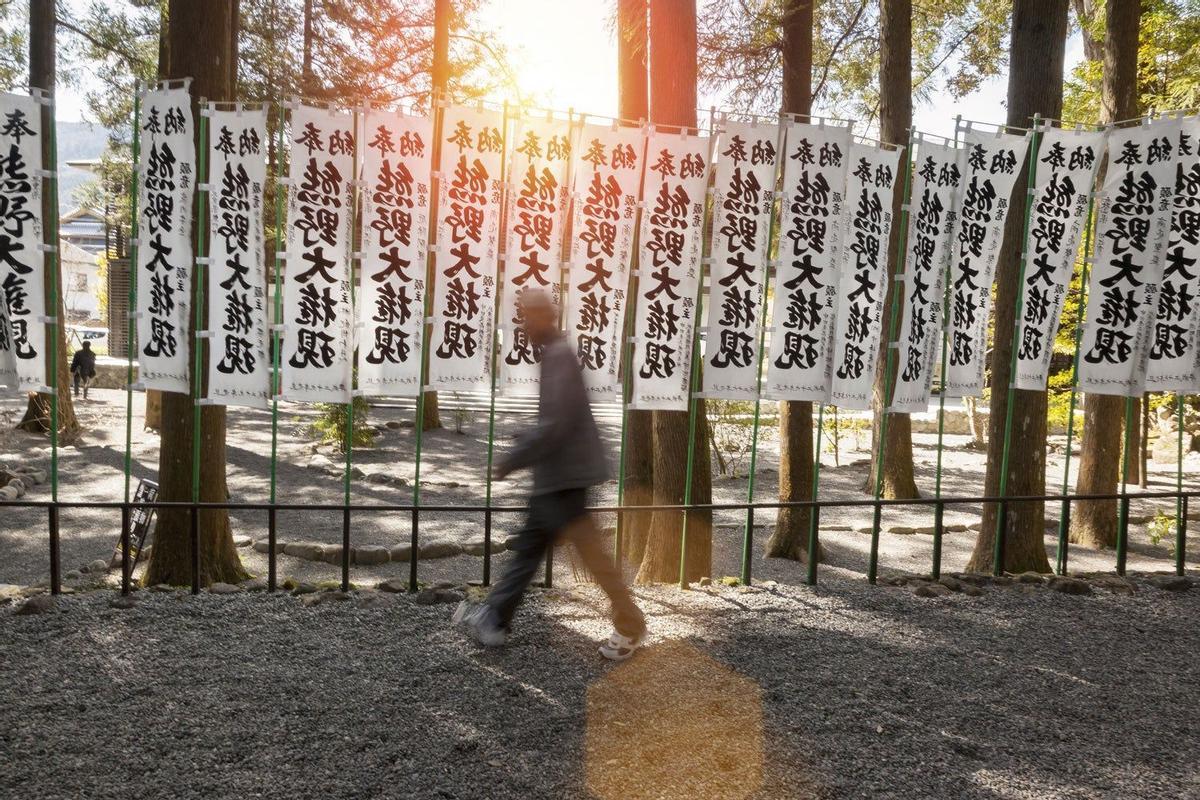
[
  {"x": 1066, "y": 168},
  {"x": 865, "y": 262},
  {"x": 816, "y": 158},
  {"x": 23, "y": 266},
  {"x": 167, "y": 180},
  {"x": 239, "y": 364},
  {"x": 937, "y": 178},
  {"x": 1175, "y": 347},
  {"x": 468, "y": 240},
  {"x": 744, "y": 177},
  {"x": 396, "y": 166},
  {"x": 993, "y": 164},
  {"x": 533, "y": 255},
  {"x": 607, "y": 176},
  {"x": 1132, "y": 232},
  {"x": 669, "y": 267},
  {"x": 316, "y": 296}
]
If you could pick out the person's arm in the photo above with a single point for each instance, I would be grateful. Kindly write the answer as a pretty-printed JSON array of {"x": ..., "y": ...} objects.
[
  {"x": 554, "y": 421},
  {"x": 75, "y": 361}
]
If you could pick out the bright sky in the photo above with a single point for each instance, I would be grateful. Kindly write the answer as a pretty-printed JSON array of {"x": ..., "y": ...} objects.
[{"x": 565, "y": 56}]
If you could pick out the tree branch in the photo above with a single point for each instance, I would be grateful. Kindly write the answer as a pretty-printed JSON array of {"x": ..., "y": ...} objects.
[{"x": 131, "y": 59}]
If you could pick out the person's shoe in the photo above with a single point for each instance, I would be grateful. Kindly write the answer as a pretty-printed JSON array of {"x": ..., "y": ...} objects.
[
  {"x": 620, "y": 647},
  {"x": 481, "y": 622}
]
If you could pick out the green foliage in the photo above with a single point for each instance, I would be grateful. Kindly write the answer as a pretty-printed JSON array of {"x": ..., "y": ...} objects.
[
  {"x": 1058, "y": 403},
  {"x": 14, "y": 44},
  {"x": 1162, "y": 527},
  {"x": 731, "y": 431},
  {"x": 330, "y": 425},
  {"x": 836, "y": 427},
  {"x": 1168, "y": 60}
]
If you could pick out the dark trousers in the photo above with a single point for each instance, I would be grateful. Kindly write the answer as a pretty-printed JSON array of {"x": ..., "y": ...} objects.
[{"x": 550, "y": 516}]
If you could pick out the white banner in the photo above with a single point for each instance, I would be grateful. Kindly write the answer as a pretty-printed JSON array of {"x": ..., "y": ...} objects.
[
  {"x": 166, "y": 181},
  {"x": 22, "y": 263},
  {"x": 239, "y": 365},
  {"x": 1175, "y": 347},
  {"x": 994, "y": 162},
  {"x": 669, "y": 268},
  {"x": 865, "y": 262},
  {"x": 937, "y": 178},
  {"x": 533, "y": 253},
  {"x": 396, "y": 163},
  {"x": 1066, "y": 168},
  {"x": 8, "y": 359},
  {"x": 815, "y": 165},
  {"x": 468, "y": 240},
  {"x": 316, "y": 295},
  {"x": 741, "y": 231},
  {"x": 1132, "y": 230},
  {"x": 607, "y": 177}
]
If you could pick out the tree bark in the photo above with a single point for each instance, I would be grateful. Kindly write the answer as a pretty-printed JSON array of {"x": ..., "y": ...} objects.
[
  {"x": 796, "y": 457},
  {"x": 439, "y": 82},
  {"x": 634, "y": 101},
  {"x": 1038, "y": 46},
  {"x": 895, "y": 119},
  {"x": 307, "y": 82},
  {"x": 1094, "y": 522},
  {"x": 200, "y": 39},
  {"x": 43, "y": 75},
  {"x": 673, "y": 102}
]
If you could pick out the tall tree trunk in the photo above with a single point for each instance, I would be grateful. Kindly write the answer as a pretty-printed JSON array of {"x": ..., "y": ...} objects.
[
  {"x": 634, "y": 102},
  {"x": 42, "y": 75},
  {"x": 201, "y": 37},
  {"x": 673, "y": 102},
  {"x": 895, "y": 118},
  {"x": 1094, "y": 522},
  {"x": 1038, "y": 45},
  {"x": 307, "y": 83},
  {"x": 439, "y": 83},
  {"x": 796, "y": 458}
]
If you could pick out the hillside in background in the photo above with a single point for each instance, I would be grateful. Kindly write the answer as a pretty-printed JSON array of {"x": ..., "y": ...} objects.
[{"x": 76, "y": 140}]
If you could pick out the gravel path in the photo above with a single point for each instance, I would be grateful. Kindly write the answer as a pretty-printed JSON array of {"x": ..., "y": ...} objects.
[
  {"x": 452, "y": 467},
  {"x": 772, "y": 692}
]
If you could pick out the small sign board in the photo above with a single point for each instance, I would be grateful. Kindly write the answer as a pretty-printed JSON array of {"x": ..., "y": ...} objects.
[{"x": 140, "y": 519}]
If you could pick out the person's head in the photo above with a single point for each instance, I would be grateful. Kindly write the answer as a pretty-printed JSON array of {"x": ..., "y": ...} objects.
[
  {"x": 540, "y": 315},
  {"x": 87, "y": 345}
]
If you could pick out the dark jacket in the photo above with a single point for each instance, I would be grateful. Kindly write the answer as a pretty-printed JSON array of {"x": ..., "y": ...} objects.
[
  {"x": 84, "y": 363},
  {"x": 564, "y": 448}
]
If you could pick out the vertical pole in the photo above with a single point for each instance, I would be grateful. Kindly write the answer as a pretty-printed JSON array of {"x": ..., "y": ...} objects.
[
  {"x": 901, "y": 243},
  {"x": 491, "y": 447},
  {"x": 200, "y": 259},
  {"x": 131, "y": 329},
  {"x": 1123, "y": 508},
  {"x": 277, "y": 341},
  {"x": 348, "y": 443},
  {"x": 748, "y": 535},
  {"x": 939, "y": 510},
  {"x": 814, "y": 516},
  {"x": 693, "y": 394},
  {"x": 1064, "y": 519},
  {"x": 1180, "y": 512},
  {"x": 1002, "y": 518},
  {"x": 51, "y": 262}
]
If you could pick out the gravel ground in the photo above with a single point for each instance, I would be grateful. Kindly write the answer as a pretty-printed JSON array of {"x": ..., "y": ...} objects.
[
  {"x": 452, "y": 467},
  {"x": 770, "y": 692}
]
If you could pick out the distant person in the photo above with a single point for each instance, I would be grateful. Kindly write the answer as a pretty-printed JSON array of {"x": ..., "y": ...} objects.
[
  {"x": 83, "y": 368},
  {"x": 567, "y": 458}
]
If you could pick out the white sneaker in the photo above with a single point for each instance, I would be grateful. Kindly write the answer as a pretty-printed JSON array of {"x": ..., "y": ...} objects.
[
  {"x": 620, "y": 647},
  {"x": 480, "y": 621}
]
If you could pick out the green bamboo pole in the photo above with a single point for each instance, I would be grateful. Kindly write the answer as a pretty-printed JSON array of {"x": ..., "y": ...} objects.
[
  {"x": 693, "y": 393},
  {"x": 198, "y": 301},
  {"x": 1123, "y": 507},
  {"x": 1002, "y": 515},
  {"x": 131, "y": 325},
  {"x": 51, "y": 166},
  {"x": 1180, "y": 516},
  {"x": 811, "y": 575},
  {"x": 277, "y": 337},
  {"x": 939, "y": 510},
  {"x": 901, "y": 243},
  {"x": 494, "y": 346},
  {"x": 748, "y": 534},
  {"x": 1064, "y": 517}
]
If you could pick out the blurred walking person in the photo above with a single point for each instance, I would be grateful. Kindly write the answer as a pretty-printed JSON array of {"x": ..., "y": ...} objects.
[{"x": 566, "y": 456}]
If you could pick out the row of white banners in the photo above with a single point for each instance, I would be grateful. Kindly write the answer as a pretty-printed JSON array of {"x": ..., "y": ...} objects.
[{"x": 514, "y": 196}]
